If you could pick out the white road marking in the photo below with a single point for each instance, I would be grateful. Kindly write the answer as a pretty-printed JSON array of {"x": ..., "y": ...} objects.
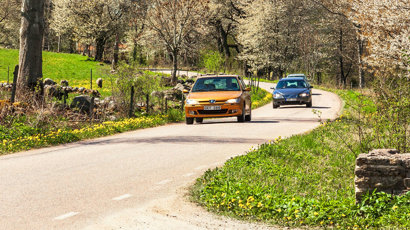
[
  {"x": 65, "y": 216},
  {"x": 202, "y": 167},
  {"x": 188, "y": 174},
  {"x": 125, "y": 196},
  {"x": 164, "y": 182}
]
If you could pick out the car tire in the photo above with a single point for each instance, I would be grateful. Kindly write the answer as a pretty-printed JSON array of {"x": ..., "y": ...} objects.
[
  {"x": 309, "y": 104},
  {"x": 189, "y": 120},
  {"x": 241, "y": 118},
  {"x": 275, "y": 106},
  {"x": 249, "y": 116},
  {"x": 199, "y": 120}
]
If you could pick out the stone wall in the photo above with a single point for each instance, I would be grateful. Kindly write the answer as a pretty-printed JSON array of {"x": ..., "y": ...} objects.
[{"x": 382, "y": 169}]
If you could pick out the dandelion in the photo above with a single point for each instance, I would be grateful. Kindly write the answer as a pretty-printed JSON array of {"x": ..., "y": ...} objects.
[
  {"x": 343, "y": 215},
  {"x": 394, "y": 207},
  {"x": 296, "y": 211},
  {"x": 315, "y": 213},
  {"x": 279, "y": 210},
  {"x": 259, "y": 204},
  {"x": 322, "y": 222},
  {"x": 237, "y": 192},
  {"x": 223, "y": 194}
]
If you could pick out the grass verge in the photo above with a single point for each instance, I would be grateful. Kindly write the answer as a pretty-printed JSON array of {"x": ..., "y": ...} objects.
[
  {"x": 260, "y": 98},
  {"x": 306, "y": 180},
  {"x": 23, "y": 137}
]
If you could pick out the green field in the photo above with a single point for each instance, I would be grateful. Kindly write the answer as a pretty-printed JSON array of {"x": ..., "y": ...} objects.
[{"x": 57, "y": 66}]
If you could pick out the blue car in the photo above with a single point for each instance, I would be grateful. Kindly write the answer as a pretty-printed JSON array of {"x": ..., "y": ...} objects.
[{"x": 292, "y": 91}]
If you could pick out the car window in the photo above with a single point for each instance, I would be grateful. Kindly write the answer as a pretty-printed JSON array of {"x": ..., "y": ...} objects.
[
  {"x": 291, "y": 84},
  {"x": 216, "y": 84}
]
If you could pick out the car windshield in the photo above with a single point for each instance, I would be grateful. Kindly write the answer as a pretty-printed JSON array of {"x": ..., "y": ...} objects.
[
  {"x": 216, "y": 84},
  {"x": 291, "y": 84}
]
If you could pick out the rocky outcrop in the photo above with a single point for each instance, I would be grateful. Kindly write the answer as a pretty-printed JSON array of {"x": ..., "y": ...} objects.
[
  {"x": 384, "y": 170},
  {"x": 48, "y": 81},
  {"x": 99, "y": 82},
  {"x": 81, "y": 103}
]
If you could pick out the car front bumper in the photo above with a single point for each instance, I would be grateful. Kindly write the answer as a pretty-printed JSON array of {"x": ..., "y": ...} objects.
[
  {"x": 292, "y": 101},
  {"x": 226, "y": 110}
]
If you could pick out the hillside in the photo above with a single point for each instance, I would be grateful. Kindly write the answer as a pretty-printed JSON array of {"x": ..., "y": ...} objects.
[{"x": 57, "y": 66}]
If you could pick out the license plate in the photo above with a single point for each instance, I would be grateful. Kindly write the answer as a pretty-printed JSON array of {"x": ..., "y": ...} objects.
[
  {"x": 291, "y": 99},
  {"x": 212, "y": 107}
]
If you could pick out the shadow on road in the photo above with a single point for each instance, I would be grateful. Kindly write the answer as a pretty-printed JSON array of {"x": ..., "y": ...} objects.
[
  {"x": 302, "y": 106},
  {"x": 176, "y": 140},
  {"x": 215, "y": 122}
]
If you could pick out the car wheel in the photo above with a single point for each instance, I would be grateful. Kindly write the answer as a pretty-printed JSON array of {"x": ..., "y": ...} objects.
[
  {"x": 199, "y": 119},
  {"x": 275, "y": 106},
  {"x": 248, "y": 117},
  {"x": 189, "y": 120},
  {"x": 241, "y": 118},
  {"x": 309, "y": 104}
]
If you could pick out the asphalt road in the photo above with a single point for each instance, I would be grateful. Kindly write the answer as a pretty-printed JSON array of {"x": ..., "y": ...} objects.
[{"x": 137, "y": 180}]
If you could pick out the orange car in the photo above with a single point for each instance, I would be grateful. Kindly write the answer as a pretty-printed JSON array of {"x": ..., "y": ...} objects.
[{"x": 218, "y": 96}]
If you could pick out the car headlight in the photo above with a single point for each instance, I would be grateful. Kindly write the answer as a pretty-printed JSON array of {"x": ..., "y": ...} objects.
[
  {"x": 232, "y": 101},
  {"x": 191, "y": 102},
  {"x": 304, "y": 95},
  {"x": 277, "y": 96}
]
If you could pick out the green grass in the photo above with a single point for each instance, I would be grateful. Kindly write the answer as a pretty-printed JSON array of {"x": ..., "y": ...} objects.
[
  {"x": 57, "y": 66},
  {"x": 20, "y": 136},
  {"x": 306, "y": 180},
  {"x": 260, "y": 98}
]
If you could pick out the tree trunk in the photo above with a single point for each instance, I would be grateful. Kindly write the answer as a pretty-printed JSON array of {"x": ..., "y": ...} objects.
[
  {"x": 360, "y": 44},
  {"x": 116, "y": 51},
  {"x": 174, "y": 66},
  {"x": 100, "y": 49},
  {"x": 342, "y": 79},
  {"x": 31, "y": 39}
]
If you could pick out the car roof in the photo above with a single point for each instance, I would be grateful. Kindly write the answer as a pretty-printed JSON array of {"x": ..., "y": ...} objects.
[
  {"x": 297, "y": 75},
  {"x": 292, "y": 78},
  {"x": 207, "y": 76}
]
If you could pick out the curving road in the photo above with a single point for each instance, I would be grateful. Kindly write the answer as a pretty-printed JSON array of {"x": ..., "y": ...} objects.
[{"x": 138, "y": 180}]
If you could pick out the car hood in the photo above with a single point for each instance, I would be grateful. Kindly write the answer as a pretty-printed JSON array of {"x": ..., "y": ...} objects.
[
  {"x": 215, "y": 95},
  {"x": 291, "y": 91}
]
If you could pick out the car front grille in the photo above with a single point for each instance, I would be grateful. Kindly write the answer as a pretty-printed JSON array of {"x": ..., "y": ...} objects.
[{"x": 207, "y": 112}]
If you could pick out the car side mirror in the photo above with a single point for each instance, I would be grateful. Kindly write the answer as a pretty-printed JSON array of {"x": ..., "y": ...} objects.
[
  {"x": 185, "y": 91},
  {"x": 248, "y": 89},
  {"x": 272, "y": 87}
]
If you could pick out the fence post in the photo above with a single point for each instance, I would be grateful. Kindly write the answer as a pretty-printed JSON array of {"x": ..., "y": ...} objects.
[
  {"x": 147, "y": 104},
  {"x": 65, "y": 97},
  {"x": 8, "y": 75},
  {"x": 92, "y": 108},
  {"x": 91, "y": 79},
  {"x": 13, "y": 90},
  {"x": 130, "y": 114},
  {"x": 166, "y": 105},
  {"x": 182, "y": 102}
]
